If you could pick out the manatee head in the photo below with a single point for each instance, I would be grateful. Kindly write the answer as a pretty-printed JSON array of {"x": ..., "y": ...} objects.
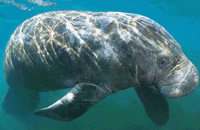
[
  {"x": 176, "y": 75},
  {"x": 163, "y": 62}
]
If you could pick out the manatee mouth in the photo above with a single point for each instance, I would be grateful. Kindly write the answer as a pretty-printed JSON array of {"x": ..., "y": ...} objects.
[{"x": 181, "y": 81}]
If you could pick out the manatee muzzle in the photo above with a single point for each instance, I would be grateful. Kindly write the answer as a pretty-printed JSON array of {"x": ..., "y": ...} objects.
[{"x": 181, "y": 81}]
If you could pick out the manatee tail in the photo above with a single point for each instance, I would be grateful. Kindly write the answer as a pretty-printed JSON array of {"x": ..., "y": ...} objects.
[
  {"x": 155, "y": 105},
  {"x": 20, "y": 102},
  {"x": 76, "y": 102}
]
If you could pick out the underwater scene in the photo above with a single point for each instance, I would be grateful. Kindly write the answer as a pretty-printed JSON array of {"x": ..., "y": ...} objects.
[{"x": 122, "y": 107}]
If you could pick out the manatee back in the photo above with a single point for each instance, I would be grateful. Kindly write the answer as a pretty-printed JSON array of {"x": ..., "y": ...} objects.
[{"x": 47, "y": 50}]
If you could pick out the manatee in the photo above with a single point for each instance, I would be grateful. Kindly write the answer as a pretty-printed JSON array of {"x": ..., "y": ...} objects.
[{"x": 95, "y": 54}]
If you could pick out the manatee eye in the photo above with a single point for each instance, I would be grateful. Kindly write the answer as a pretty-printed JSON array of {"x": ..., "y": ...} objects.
[{"x": 163, "y": 62}]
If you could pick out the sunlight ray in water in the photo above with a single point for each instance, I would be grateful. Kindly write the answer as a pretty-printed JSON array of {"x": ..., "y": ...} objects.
[{"x": 24, "y": 7}]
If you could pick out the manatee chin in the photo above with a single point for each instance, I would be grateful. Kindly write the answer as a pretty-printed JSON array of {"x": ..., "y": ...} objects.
[{"x": 181, "y": 80}]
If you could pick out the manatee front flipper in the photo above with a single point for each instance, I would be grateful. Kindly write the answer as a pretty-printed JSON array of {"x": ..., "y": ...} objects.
[
  {"x": 20, "y": 101},
  {"x": 155, "y": 105},
  {"x": 76, "y": 102}
]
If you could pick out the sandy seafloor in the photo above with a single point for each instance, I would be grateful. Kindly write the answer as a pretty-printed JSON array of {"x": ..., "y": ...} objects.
[{"x": 122, "y": 110}]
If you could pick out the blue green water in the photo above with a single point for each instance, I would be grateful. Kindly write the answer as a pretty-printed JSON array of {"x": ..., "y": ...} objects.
[{"x": 123, "y": 110}]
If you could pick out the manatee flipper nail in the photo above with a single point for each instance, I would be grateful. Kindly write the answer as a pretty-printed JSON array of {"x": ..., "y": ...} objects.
[
  {"x": 155, "y": 105},
  {"x": 76, "y": 102}
]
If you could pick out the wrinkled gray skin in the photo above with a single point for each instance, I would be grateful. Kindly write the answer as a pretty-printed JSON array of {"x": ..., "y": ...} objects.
[{"x": 96, "y": 54}]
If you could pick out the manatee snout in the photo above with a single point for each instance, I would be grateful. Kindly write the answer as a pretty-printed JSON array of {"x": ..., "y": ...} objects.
[{"x": 185, "y": 80}]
